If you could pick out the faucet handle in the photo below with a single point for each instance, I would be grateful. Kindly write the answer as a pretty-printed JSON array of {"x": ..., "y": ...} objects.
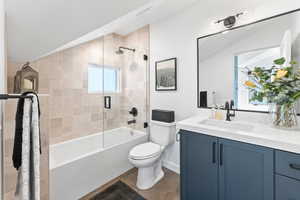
[
  {"x": 231, "y": 104},
  {"x": 133, "y": 111},
  {"x": 226, "y": 105}
]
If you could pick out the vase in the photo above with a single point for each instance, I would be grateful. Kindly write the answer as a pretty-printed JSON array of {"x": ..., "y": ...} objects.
[{"x": 284, "y": 116}]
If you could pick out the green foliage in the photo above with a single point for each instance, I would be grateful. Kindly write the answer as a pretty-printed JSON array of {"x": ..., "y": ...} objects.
[
  {"x": 278, "y": 84},
  {"x": 296, "y": 96},
  {"x": 279, "y": 61}
]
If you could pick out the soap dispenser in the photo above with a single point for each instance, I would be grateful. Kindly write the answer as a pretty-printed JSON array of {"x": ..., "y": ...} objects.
[{"x": 219, "y": 114}]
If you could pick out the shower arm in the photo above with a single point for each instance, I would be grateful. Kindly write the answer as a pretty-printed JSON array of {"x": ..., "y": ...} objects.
[{"x": 129, "y": 49}]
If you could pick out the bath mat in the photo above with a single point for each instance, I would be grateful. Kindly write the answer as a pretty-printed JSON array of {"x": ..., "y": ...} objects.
[{"x": 118, "y": 191}]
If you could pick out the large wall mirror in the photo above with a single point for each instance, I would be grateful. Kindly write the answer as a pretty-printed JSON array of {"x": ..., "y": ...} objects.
[{"x": 225, "y": 57}]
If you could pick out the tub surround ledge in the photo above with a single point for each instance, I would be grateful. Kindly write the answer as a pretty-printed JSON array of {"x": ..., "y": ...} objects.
[{"x": 252, "y": 133}]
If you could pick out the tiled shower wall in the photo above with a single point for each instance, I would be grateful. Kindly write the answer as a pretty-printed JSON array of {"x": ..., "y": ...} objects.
[{"x": 68, "y": 111}]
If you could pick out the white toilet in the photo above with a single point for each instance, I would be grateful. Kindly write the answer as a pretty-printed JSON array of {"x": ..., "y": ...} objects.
[{"x": 147, "y": 157}]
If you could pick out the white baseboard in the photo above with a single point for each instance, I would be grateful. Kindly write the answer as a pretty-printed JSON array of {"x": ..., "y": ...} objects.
[{"x": 171, "y": 166}]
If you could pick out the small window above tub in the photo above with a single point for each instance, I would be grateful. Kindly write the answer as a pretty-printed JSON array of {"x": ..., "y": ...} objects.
[{"x": 103, "y": 79}]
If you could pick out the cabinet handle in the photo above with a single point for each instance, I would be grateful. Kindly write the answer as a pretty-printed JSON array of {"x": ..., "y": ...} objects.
[
  {"x": 295, "y": 166},
  {"x": 214, "y": 152},
  {"x": 221, "y": 154}
]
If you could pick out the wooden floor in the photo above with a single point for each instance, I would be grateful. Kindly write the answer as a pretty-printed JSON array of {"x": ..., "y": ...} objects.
[{"x": 166, "y": 189}]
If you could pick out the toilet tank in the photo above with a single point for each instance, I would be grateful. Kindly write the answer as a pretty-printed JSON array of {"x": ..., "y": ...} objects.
[{"x": 162, "y": 133}]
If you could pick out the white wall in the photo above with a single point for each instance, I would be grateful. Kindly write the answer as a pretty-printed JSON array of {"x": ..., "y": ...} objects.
[{"x": 176, "y": 37}]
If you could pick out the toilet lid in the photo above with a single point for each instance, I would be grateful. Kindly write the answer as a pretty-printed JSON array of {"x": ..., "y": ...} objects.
[{"x": 146, "y": 150}]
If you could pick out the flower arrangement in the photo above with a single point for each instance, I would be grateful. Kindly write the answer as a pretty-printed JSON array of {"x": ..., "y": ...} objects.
[{"x": 279, "y": 86}]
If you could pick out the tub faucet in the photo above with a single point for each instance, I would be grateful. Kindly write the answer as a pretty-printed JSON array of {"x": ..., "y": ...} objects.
[{"x": 131, "y": 122}]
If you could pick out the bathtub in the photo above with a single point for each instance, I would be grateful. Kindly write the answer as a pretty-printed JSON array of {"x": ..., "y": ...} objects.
[{"x": 82, "y": 165}]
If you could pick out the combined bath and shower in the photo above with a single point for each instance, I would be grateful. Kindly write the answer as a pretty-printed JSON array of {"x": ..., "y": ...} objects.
[{"x": 121, "y": 50}]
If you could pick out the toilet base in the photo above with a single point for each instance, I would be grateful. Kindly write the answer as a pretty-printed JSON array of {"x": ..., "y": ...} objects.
[{"x": 149, "y": 176}]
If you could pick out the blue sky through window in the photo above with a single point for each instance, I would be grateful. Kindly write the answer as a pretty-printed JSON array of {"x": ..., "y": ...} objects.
[{"x": 97, "y": 82}]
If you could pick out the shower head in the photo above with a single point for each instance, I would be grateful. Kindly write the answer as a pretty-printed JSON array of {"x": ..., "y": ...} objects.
[{"x": 120, "y": 51}]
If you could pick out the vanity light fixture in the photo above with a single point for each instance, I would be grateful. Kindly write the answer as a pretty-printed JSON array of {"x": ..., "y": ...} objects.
[{"x": 230, "y": 21}]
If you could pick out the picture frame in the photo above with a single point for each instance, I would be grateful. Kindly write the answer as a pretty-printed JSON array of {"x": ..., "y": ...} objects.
[{"x": 166, "y": 75}]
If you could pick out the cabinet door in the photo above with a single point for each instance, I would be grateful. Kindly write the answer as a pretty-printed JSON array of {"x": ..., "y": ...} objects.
[
  {"x": 199, "y": 167},
  {"x": 287, "y": 188},
  {"x": 246, "y": 171}
]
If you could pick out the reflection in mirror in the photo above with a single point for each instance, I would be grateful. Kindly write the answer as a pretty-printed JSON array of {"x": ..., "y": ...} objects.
[
  {"x": 245, "y": 62},
  {"x": 225, "y": 59}
]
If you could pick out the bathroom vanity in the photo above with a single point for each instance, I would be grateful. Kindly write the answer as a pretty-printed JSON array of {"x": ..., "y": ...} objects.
[{"x": 238, "y": 161}]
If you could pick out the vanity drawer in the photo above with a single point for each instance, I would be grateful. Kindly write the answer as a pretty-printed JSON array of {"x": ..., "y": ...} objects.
[
  {"x": 287, "y": 188},
  {"x": 287, "y": 164}
]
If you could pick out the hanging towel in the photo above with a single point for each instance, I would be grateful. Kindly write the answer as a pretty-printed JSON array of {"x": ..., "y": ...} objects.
[
  {"x": 28, "y": 183},
  {"x": 17, "y": 150}
]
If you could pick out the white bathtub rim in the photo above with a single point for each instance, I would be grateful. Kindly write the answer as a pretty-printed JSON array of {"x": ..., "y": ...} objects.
[
  {"x": 92, "y": 135},
  {"x": 51, "y": 167}
]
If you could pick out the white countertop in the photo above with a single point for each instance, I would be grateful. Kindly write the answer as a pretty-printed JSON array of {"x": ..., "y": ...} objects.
[{"x": 261, "y": 134}]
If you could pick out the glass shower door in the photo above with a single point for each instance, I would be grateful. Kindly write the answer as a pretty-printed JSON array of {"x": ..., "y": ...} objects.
[
  {"x": 126, "y": 87},
  {"x": 95, "y": 100},
  {"x": 112, "y": 91}
]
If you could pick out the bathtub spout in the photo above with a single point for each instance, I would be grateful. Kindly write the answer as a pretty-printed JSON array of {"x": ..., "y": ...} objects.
[{"x": 131, "y": 122}]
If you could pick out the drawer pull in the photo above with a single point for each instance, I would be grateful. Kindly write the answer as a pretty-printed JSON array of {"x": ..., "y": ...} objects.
[{"x": 295, "y": 166}]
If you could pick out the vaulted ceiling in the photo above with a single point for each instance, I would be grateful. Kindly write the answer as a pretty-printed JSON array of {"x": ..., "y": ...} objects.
[
  {"x": 35, "y": 27},
  {"x": 38, "y": 27}
]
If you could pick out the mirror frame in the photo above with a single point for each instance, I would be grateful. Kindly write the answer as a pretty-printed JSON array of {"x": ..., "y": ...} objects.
[{"x": 229, "y": 29}]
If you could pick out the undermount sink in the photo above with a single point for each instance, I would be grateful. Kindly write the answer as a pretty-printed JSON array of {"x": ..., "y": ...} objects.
[{"x": 237, "y": 126}]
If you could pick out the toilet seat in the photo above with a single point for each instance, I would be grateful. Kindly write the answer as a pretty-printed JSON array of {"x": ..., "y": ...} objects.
[{"x": 145, "y": 151}]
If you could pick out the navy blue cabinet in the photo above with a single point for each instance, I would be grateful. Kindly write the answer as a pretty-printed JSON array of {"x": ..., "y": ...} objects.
[
  {"x": 287, "y": 188},
  {"x": 246, "y": 171},
  {"x": 219, "y": 169},
  {"x": 287, "y": 164},
  {"x": 199, "y": 166},
  {"x": 287, "y": 168}
]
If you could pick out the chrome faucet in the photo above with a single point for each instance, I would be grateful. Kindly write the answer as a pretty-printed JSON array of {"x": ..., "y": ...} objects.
[{"x": 228, "y": 109}]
